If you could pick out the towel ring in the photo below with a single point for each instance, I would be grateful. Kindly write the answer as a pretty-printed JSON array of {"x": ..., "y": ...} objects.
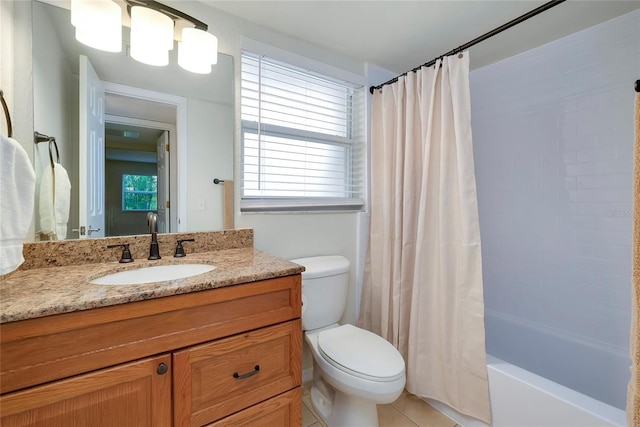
[
  {"x": 6, "y": 114},
  {"x": 55, "y": 144},
  {"x": 40, "y": 137}
]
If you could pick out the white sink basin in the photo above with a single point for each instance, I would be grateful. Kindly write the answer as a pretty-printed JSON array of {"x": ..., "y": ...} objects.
[{"x": 158, "y": 273}]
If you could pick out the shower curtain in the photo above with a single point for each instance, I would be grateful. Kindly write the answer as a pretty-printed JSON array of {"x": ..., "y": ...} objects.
[
  {"x": 633, "y": 393},
  {"x": 422, "y": 288}
]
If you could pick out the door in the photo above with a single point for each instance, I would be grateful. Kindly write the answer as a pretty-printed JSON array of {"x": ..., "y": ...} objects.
[
  {"x": 136, "y": 394},
  {"x": 91, "y": 152},
  {"x": 163, "y": 183}
]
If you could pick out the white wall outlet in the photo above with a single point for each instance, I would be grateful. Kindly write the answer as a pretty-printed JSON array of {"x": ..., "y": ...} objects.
[{"x": 200, "y": 204}]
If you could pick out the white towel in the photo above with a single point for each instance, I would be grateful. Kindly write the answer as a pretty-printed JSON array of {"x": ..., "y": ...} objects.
[
  {"x": 55, "y": 199},
  {"x": 17, "y": 194}
]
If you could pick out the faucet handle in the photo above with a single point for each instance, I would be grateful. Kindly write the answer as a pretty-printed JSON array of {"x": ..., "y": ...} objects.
[
  {"x": 126, "y": 253},
  {"x": 179, "y": 249}
]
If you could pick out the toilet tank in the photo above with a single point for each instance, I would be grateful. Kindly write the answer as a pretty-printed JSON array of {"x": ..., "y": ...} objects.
[{"x": 324, "y": 290}]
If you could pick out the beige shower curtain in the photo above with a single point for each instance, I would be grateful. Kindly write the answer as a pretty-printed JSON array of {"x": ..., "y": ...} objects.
[
  {"x": 633, "y": 394},
  {"x": 423, "y": 276}
]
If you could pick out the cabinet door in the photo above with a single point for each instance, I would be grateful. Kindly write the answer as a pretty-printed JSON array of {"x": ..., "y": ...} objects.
[
  {"x": 216, "y": 379},
  {"x": 136, "y": 394},
  {"x": 284, "y": 410}
]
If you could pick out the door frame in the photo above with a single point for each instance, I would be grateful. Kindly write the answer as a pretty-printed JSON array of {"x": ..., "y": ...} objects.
[
  {"x": 178, "y": 143},
  {"x": 151, "y": 124}
]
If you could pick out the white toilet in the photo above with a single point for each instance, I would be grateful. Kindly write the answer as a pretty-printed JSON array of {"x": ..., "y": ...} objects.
[{"x": 353, "y": 369}]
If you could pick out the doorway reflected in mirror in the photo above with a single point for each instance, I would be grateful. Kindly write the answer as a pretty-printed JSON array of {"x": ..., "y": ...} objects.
[{"x": 201, "y": 108}]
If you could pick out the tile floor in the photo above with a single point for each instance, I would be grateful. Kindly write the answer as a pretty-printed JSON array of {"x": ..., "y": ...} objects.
[{"x": 407, "y": 411}]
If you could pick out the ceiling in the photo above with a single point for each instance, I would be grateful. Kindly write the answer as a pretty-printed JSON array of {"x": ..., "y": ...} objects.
[
  {"x": 131, "y": 137},
  {"x": 131, "y": 143},
  {"x": 400, "y": 35}
]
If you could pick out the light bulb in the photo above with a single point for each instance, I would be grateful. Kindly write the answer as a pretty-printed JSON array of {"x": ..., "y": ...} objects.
[
  {"x": 98, "y": 24},
  {"x": 197, "y": 51},
  {"x": 151, "y": 36}
]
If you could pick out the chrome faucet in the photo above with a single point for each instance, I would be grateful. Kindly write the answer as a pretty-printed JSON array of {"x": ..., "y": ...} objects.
[{"x": 154, "y": 249}]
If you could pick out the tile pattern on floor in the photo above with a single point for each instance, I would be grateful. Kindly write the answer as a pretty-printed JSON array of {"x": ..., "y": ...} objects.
[{"x": 407, "y": 411}]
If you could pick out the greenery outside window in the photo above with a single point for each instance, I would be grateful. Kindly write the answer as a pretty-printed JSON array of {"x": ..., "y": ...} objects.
[{"x": 139, "y": 192}]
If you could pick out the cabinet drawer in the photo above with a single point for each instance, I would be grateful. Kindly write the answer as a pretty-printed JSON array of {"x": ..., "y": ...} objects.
[
  {"x": 284, "y": 410},
  {"x": 222, "y": 377}
]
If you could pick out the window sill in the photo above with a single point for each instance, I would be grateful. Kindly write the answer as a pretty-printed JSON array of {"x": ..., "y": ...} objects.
[{"x": 248, "y": 206}]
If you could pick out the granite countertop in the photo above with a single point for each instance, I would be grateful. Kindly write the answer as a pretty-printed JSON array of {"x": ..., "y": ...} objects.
[{"x": 43, "y": 292}]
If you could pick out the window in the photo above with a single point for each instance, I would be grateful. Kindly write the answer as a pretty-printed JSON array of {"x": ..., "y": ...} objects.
[
  {"x": 302, "y": 143},
  {"x": 139, "y": 193}
]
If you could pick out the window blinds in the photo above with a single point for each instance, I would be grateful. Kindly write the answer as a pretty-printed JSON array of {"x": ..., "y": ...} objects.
[{"x": 302, "y": 139}]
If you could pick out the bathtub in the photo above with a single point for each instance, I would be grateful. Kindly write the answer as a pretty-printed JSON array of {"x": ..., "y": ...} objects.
[{"x": 521, "y": 398}]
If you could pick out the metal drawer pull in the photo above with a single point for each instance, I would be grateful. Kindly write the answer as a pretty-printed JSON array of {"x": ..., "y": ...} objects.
[{"x": 248, "y": 374}]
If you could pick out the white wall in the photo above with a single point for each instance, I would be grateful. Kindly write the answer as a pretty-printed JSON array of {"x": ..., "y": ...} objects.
[
  {"x": 52, "y": 84},
  {"x": 209, "y": 156},
  {"x": 15, "y": 74},
  {"x": 15, "y": 69},
  {"x": 553, "y": 141},
  {"x": 232, "y": 31}
]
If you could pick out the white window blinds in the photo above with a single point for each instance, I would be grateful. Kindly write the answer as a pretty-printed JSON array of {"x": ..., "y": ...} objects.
[{"x": 302, "y": 139}]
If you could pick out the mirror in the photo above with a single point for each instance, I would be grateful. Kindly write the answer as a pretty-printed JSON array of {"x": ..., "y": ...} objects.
[{"x": 147, "y": 109}]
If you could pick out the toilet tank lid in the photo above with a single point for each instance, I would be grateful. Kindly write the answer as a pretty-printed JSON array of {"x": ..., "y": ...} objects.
[{"x": 322, "y": 266}]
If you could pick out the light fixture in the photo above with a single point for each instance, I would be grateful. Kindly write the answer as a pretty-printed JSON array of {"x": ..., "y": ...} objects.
[
  {"x": 98, "y": 24},
  {"x": 197, "y": 51},
  {"x": 152, "y": 32},
  {"x": 151, "y": 36}
]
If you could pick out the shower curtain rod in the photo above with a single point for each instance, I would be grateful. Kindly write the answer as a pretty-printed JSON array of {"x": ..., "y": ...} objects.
[{"x": 477, "y": 40}]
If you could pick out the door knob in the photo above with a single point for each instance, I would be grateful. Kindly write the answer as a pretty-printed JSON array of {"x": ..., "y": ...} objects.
[
  {"x": 91, "y": 230},
  {"x": 162, "y": 369}
]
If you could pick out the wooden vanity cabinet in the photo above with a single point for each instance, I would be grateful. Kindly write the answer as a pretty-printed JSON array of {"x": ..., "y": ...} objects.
[{"x": 230, "y": 356}]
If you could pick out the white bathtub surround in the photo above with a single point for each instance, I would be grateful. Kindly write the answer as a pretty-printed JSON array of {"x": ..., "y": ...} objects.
[
  {"x": 422, "y": 287},
  {"x": 633, "y": 396},
  {"x": 521, "y": 398},
  {"x": 553, "y": 141}
]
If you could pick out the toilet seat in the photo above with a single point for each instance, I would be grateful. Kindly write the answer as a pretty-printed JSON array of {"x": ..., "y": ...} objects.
[{"x": 361, "y": 353}]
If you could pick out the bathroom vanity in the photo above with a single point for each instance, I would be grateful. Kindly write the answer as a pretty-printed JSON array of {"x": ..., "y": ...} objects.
[{"x": 218, "y": 349}]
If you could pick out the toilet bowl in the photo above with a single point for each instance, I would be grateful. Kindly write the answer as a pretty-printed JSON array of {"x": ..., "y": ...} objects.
[{"x": 353, "y": 369}]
